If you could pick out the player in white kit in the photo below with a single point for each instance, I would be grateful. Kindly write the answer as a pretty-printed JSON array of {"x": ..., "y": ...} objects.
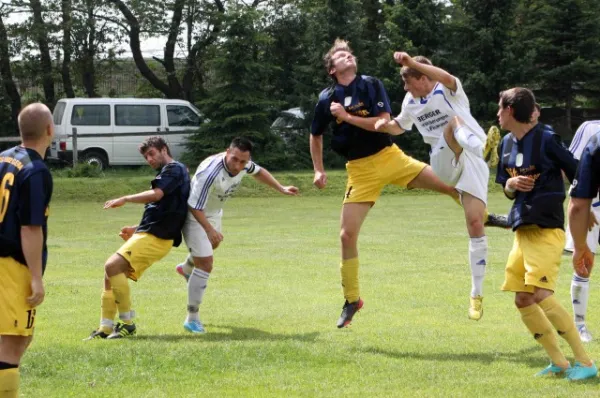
[
  {"x": 436, "y": 103},
  {"x": 216, "y": 179},
  {"x": 580, "y": 285}
]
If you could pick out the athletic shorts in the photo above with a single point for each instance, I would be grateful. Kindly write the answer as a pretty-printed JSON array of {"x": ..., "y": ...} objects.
[
  {"x": 469, "y": 174},
  {"x": 141, "y": 251},
  {"x": 367, "y": 176},
  {"x": 17, "y": 318},
  {"x": 534, "y": 260},
  {"x": 592, "y": 236},
  {"x": 195, "y": 237}
]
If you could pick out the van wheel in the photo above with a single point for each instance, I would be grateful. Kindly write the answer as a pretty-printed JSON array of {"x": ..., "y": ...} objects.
[{"x": 96, "y": 159}]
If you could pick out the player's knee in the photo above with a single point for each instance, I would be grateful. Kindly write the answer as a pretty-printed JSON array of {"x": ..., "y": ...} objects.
[
  {"x": 475, "y": 226},
  {"x": 348, "y": 237},
  {"x": 13, "y": 347},
  {"x": 204, "y": 263},
  {"x": 523, "y": 300}
]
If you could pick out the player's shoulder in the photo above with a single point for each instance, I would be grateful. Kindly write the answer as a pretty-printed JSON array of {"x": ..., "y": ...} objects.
[{"x": 326, "y": 94}]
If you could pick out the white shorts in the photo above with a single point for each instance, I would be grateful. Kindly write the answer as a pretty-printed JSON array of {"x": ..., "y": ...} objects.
[
  {"x": 470, "y": 174},
  {"x": 195, "y": 236},
  {"x": 592, "y": 236}
]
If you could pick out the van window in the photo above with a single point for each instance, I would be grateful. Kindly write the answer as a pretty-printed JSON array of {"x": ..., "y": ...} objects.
[
  {"x": 90, "y": 115},
  {"x": 59, "y": 111},
  {"x": 179, "y": 115},
  {"x": 137, "y": 115}
]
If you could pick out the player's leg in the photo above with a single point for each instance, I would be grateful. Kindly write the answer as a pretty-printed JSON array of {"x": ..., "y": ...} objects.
[
  {"x": 352, "y": 218},
  {"x": 474, "y": 210},
  {"x": 196, "y": 288},
  {"x": 117, "y": 268},
  {"x": 108, "y": 311},
  {"x": 12, "y": 349},
  {"x": 459, "y": 137}
]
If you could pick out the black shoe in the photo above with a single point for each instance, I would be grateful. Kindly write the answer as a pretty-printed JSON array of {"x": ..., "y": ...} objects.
[
  {"x": 498, "y": 221},
  {"x": 348, "y": 312},
  {"x": 96, "y": 334},
  {"x": 122, "y": 330}
]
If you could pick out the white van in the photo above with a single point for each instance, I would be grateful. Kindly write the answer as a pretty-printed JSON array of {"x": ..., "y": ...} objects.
[{"x": 110, "y": 130}]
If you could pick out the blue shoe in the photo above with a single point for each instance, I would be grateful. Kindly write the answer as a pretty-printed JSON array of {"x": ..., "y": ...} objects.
[
  {"x": 181, "y": 272},
  {"x": 580, "y": 372},
  {"x": 553, "y": 370},
  {"x": 194, "y": 327}
]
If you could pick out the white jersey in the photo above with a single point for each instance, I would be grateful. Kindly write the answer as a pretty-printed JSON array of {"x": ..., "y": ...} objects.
[
  {"x": 433, "y": 112},
  {"x": 212, "y": 184},
  {"x": 582, "y": 136}
]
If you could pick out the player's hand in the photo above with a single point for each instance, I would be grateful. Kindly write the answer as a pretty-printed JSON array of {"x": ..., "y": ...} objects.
[
  {"x": 115, "y": 203},
  {"x": 291, "y": 190},
  {"x": 593, "y": 220},
  {"x": 402, "y": 58},
  {"x": 380, "y": 124},
  {"x": 521, "y": 183},
  {"x": 320, "y": 179},
  {"x": 583, "y": 261},
  {"x": 215, "y": 237},
  {"x": 37, "y": 293},
  {"x": 127, "y": 232},
  {"x": 338, "y": 111}
]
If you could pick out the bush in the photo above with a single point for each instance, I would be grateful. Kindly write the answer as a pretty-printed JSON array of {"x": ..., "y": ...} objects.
[{"x": 81, "y": 170}]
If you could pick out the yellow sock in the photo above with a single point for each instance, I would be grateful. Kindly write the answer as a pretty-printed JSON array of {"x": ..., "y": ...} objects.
[
  {"x": 533, "y": 317},
  {"x": 349, "y": 269},
  {"x": 120, "y": 288},
  {"x": 9, "y": 383},
  {"x": 108, "y": 309},
  {"x": 563, "y": 323}
]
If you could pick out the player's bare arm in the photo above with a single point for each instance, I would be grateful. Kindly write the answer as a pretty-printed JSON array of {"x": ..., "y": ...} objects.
[
  {"x": 365, "y": 123},
  {"x": 388, "y": 126},
  {"x": 32, "y": 238},
  {"x": 316, "y": 153},
  {"x": 518, "y": 183},
  {"x": 214, "y": 236},
  {"x": 151, "y": 195},
  {"x": 267, "y": 178},
  {"x": 433, "y": 72},
  {"x": 127, "y": 232},
  {"x": 579, "y": 221}
]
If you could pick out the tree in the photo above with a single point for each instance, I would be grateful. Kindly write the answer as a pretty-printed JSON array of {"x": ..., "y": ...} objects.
[{"x": 6, "y": 73}]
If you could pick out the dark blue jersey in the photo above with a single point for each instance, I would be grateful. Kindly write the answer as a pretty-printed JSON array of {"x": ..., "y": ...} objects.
[
  {"x": 587, "y": 179},
  {"x": 25, "y": 193},
  {"x": 541, "y": 155},
  {"x": 364, "y": 97},
  {"x": 164, "y": 219}
]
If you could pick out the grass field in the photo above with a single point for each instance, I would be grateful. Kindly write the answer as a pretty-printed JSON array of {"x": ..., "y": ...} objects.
[{"x": 273, "y": 300}]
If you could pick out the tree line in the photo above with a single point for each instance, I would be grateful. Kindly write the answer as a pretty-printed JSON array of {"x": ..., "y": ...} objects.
[{"x": 242, "y": 62}]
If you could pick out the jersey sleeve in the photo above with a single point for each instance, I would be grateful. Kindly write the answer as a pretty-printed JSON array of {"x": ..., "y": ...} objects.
[
  {"x": 170, "y": 177},
  {"x": 252, "y": 168},
  {"x": 403, "y": 119},
  {"x": 587, "y": 178},
  {"x": 560, "y": 154},
  {"x": 35, "y": 192},
  {"x": 322, "y": 116}
]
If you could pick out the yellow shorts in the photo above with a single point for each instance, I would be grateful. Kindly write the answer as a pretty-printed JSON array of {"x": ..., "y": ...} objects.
[
  {"x": 534, "y": 259},
  {"x": 17, "y": 318},
  {"x": 141, "y": 251},
  {"x": 367, "y": 176}
]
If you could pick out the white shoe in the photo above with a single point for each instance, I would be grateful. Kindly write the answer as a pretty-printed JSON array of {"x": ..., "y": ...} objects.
[{"x": 584, "y": 333}]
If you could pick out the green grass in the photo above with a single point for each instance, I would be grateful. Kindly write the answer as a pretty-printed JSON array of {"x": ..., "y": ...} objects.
[{"x": 273, "y": 300}]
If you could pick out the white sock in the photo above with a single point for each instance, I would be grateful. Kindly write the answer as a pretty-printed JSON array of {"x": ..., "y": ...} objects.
[
  {"x": 196, "y": 287},
  {"x": 188, "y": 265},
  {"x": 478, "y": 248},
  {"x": 468, "y": 140},
  {"x": 580, "y": 292}
]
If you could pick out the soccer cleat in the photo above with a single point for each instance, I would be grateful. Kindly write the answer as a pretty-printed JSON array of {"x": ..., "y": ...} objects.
[
  {"x": 181, "y": 272},
  {"x": 584, "y": 333},
  {"x": 580, "y": 372},
  {"x": 553, "y": 370},
  {"x": 348, "y": 311},
  {"x": 122, "y": 330},
  {"x": 490, "y": 151},
  {"x": 476, "y": 308},
  {"x": 95, "y": 335},
  {"x": 497, "y": 220},
  {"x": 194, "y": 327}
]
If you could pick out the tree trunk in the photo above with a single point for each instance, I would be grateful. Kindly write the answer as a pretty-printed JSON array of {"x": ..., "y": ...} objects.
[
  {"x": 67, "y": 49},
  {"x": 45, "y": 60},
  {"x": 568, "y": 107},
  {"x": 5, "y": 71},
  {"x": 168, "y": 62},
  {"x": 89, "y": 54}
]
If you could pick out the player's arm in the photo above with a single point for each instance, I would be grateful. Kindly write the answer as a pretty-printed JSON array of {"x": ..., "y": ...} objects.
[
  {"x": 267, "y": 178},
  {"x": 433, "y": 72},
  {"x": 32, "y": 243},
  {"x": 214, "y": 236},
  {"x": 320, "y": 121},
  {"x": 365, "y": 123},
  {"x": 561, "y": 155},
  {"x": 389, "y": 126},
  {"x": 151, "y": 195}
]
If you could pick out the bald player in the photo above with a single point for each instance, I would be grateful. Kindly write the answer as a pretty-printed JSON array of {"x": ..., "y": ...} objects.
[{"x": 25, "y": 192}]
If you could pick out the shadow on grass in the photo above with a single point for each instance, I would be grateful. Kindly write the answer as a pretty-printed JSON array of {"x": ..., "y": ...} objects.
[
  {"x": 538, "y": 360},
  {"x": 232, "y": 333}
]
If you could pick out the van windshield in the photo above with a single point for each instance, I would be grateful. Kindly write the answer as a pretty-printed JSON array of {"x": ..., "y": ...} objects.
[{"x": 59, "y": 111}]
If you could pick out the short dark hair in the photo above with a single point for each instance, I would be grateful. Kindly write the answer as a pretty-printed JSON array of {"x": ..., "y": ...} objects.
[
  {"x": 154, "y": 142},
  {"x": 243, "y": 144},
  {"x": 407, "y": 72},
  {"x": 521, "y": 100}
]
